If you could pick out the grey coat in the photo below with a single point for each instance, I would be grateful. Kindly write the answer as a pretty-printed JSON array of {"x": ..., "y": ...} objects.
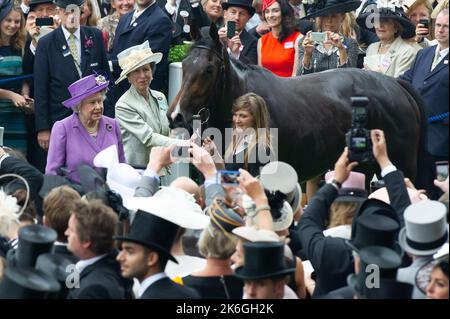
[{"x": 143, "y": 124}]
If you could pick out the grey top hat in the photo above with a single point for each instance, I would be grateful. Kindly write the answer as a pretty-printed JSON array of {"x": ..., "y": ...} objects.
[
  {"x": 279, "y": 176},
  {"x": 425, "y": 228}
]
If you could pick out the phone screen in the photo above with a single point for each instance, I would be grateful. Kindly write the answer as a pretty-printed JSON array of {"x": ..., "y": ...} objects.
[
  {"x": 441, "y": 170},
  {"x": 44, "y": 21},
  {"x": 2, "y": 131},
  {"x": 231, "y": 29},
  {"x": 228, "y": 178}
]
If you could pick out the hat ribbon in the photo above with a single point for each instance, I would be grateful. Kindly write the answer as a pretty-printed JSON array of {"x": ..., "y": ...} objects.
[
  {"x": 135, "y": 56},
  {"x": 427, "y": 246}
]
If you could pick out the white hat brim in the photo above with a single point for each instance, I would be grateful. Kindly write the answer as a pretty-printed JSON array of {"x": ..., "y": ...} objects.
[{"x": 154, "y": 58}]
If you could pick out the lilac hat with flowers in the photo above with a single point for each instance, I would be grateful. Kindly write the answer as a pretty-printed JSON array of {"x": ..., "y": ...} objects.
[{"x": 84, "y": 88}]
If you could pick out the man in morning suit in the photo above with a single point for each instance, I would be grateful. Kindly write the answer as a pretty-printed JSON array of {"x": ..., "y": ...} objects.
[
  {"x": 90, "y": 238},
  {"x": 144, "y": 255},
  {"x": 429, "y": 76},
  {"x": 147, "y": 22},
  {"x": 62, "y": 57}
]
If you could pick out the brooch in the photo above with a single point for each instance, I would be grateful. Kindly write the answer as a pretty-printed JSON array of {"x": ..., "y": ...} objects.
[{"x": 109, "y": 127}]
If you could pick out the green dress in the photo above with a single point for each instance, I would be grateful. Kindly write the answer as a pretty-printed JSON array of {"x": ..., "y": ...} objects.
[{"x": 11, "y": 118}]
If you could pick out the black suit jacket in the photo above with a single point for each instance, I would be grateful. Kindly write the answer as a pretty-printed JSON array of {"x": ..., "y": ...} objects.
[
  {"x": 184, "y": 6},
  {"x": 166, "y": 289},
  {"x": 102, "y": 280},
  {"x": 330, "y": 257},
  {"x": 152, "y": 25},
  {"x": 54, "y": 72},
  {"x": 249, "y": 53},
  {"x": 63, "y": 251}
]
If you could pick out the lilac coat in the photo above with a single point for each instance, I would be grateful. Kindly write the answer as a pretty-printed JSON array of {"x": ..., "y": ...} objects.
[{"x": 71, "y": 145}]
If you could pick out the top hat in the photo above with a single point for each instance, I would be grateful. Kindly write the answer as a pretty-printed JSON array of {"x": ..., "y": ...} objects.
[
  {"x": 425, "y": 228},
  {"x": 34, "y": 240},
  {"x": 279, "y": 176},
  {"x": 5, "y": 8},
  {"x": 365, "y": 19},
  {"x": 353, "y": 189},
  {"x": 152, "y": 232},
  {"x": 321, "y": 8},
  {"x": 135, "y": 57},
  {"x": 246, "y": 4},
  {"x": 65, "y": 3},
  {"x": 35, "y": 3},
  {"x": 84, "y": 88},
  {"x": 263, "y": 260},
  {"x": 27, "y": 283},
  {"x": 375, "y": 258},
  {"x": 374, "y": 230}
]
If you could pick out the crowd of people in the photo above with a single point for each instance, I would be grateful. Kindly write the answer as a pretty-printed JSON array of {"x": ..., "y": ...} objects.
[{"x": 86, "y": 152}]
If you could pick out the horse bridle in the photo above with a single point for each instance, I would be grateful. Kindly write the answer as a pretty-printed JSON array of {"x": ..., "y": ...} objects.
[{"x": 218, "y": 78}]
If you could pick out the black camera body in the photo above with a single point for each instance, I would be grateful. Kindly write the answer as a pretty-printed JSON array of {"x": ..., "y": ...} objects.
[{"x": 358, "y": 139}]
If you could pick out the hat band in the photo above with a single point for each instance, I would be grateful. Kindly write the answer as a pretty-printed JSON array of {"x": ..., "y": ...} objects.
[{"x": 427, "y": 246}]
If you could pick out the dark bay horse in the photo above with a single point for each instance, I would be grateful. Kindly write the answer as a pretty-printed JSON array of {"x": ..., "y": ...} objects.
[{"x": 312, "y": 112}]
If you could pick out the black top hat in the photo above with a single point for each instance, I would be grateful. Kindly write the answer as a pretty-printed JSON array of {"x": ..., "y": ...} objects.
[
  {"x": 5, "y": 7},
  {"x": 34, "y": 3},
  {"x": 34, "y": 240},
  {"x": 387, "y": 262},
  {"x": 246, "y": 4},
  {"x": 321, "y": 8},
  {"x": 366, "y": 21},
  {"x": 65, "y": 3},
  {"x": 374, "y": 230},
  {"x": 263, "y": 260},
  {"x": 55, "y": 266},
  {"x": 153, "y": 232},
  {"x": 27, "y": 283},
  {"x": 224, "y": 218}
]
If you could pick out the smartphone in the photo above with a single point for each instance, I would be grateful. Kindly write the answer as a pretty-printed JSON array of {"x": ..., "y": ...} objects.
[
  {"x": 424, "y": 22},
  {"x": 319, "y": 36},
  {"x": 44, "y": 21},
  {"x": 376, "y": 185},
  {"x": 181, "y": 151},
  {"x": 231, "y": 29},
  {"x": 441, "y": 170},
  {"x": 227, "y": 178}
]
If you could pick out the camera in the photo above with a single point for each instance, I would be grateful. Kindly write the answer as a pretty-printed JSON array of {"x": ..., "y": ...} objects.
[
  {"x": 357, "y": 138},
  {"x": 44, "y": 21},
  {"x": 319, "y": 36}
]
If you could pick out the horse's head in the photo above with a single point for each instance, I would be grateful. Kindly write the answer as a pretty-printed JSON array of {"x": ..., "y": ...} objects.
[{"x": 203, "y": 80}]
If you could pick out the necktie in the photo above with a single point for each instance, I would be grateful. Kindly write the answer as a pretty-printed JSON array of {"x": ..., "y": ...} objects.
[
  {"x": 74, "y": 51},
  {"x": 436, "y": 60}
]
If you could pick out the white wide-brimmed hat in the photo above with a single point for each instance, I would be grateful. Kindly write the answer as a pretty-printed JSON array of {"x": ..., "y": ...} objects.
[
  {"x": 135, "y": 57},
  {"x": 253, "y": 234},
  {"x": 425, "y": 228},
  {"x": 172, "y": 204}
]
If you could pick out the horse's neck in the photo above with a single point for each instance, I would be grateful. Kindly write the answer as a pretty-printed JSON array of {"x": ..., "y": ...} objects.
[{"x": 238, "y": 81}]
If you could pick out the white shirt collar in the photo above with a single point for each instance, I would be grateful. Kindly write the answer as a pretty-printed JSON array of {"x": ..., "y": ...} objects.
[
  {"x": 60, "y": 243},
  {"x": 150, "y": 281},
  {"x": 138, "y": 13},
  {"x": 67, "y": 33},
  {"x": 443, "y": 53},
  {"x": 82, "y": 264}
]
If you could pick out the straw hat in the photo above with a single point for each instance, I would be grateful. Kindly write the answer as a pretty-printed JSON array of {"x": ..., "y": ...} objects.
[{"x": 135, "y": 57}]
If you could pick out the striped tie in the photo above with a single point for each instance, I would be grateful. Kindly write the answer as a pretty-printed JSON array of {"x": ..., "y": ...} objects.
[
  {"x": 436, "y": 60},
  {"x": 74, "y": 52}
]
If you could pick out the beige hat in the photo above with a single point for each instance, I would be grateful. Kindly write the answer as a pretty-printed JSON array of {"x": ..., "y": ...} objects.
[{"x": 135, "y": 57}]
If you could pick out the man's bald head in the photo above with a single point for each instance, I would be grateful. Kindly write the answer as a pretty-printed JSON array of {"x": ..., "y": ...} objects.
[{"x": 188, "y": 185}]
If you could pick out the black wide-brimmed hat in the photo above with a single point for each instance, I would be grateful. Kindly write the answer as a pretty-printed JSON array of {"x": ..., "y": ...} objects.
[
  {"x": 55, "y": 266},
  {"x": 374, "y": 260},
  {"x": 321, "y": 8},
  {"x": 153, "y": 232},
  {"x": 246, "y": 4},
  {"x": 65, "y": 3},
  {"x": 27, "y": 283},
  {"x": 35, "y": 3},
  {"x": 34, "y": 240},
  {"x": 366, "y": 19},
  {"x": 263, "y": 260}
]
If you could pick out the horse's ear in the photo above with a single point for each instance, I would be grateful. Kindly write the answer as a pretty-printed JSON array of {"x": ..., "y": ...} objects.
[
  {"x": 195, "y": 32},
  {"x": 213, "y": 33}
]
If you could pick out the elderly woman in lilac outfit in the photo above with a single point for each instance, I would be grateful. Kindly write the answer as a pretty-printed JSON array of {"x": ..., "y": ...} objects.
[{"x": 77, "y": 139}]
